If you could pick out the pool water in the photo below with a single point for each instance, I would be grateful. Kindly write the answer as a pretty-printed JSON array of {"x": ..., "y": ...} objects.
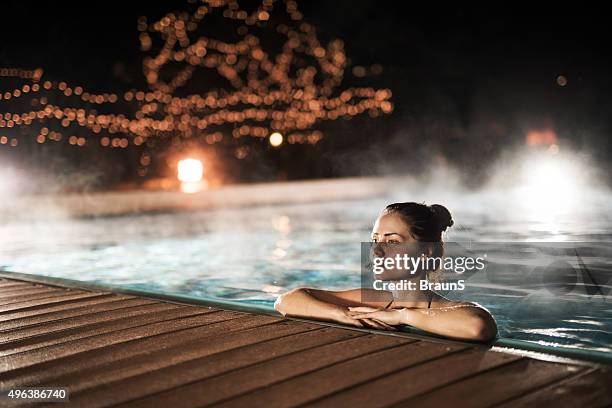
[{"x": 251, "y": 255}]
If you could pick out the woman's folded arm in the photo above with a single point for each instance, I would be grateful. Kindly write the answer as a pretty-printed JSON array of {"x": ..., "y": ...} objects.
[
  {"x": 462, "y": 321},
  {"x": 325, "y": 305}
]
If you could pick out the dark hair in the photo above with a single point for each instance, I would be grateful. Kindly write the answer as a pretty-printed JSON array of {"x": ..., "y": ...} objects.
[{"x": 425, "y": 222}]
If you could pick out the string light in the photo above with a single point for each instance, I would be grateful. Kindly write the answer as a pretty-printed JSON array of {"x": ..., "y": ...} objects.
[
  {"x": 271, "y": 94},
  {"x": 276, "y": 139},
  {"x": 34, "y": 74}
]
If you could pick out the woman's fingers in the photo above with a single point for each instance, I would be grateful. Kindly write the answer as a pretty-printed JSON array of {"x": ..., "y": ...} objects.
[
  {"x": 345, "y": 319},
  {"x": 366, "y": 322},
  {"x": 379, "y": 324},
  {"x": 362, "y": 309},
  {"x": 387, "y": 326},
  {"x": 371, "y": 315},
  {"x": 386, "y": 316},
  {"x": 364, "y": 316},
  {"x": 369, "y": 323},
  {"x": 355, "y": 322},
  {"x": 375, "y": 324}
]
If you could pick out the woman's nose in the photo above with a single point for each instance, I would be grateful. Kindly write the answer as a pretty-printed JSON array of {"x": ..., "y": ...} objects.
[{"x": 378, "y": 250}]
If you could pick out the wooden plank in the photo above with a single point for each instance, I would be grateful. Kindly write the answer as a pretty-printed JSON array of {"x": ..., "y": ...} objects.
[
  {"x": 326, "y": 381},
  {"x": 219, "y": 337},
  {"x": 202, "y": 368},
  {"x": 113, "y": 355},
  {"x": 44, "y": 302},
  {"x": 39, "y": 294},
  {"x": 172, "y": 321},
  {"x": 115, "y": 349},
  {"x": 589, "y": 388},
  {"x": 14, "y": 284},
  {"x": 145, "y": 314},
  {"x": 17, "y": 290},
  {"x": 496, "y": 385},
  {"x": 25, "y": 294},
  {"x": 394, "y": 388},
  {"x": 111, "y": 304},
  {"x": 88, "y": 322},
  {"x": 52, "y": 308},
  {"x": 265, "y": 373},
  {"x": 25, "y": 286}
]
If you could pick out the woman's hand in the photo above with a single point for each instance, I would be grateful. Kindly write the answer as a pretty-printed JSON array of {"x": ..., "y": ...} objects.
[
  {"x": 388, "y": 317},
  {"x": 301, "y": 303},
  {"x": 341, "y": 315},
  {"x": 344, "y": 316}
]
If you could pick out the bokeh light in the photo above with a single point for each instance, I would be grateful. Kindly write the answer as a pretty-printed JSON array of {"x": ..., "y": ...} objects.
[
  {"x": 276, "y": 139},
  {"x": 190, "y": 170},
  {"x": 289, "y": 90}
]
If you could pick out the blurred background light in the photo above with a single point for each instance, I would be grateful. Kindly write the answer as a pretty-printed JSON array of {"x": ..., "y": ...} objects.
[{"x": 190, "y": 170}]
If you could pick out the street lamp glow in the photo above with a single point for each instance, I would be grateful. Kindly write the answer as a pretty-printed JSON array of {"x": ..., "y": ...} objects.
[
  {"x": 551, "y": 186},
  {"x": 276, "y": 139},
  {"x": 190, "y": 170}
]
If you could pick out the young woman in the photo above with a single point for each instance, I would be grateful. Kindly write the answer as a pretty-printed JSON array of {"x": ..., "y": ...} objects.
[{"x": 400, "y": 223}]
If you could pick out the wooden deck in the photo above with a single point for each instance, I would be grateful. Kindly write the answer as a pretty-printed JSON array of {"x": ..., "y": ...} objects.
[{"x": 123, "y": 350}]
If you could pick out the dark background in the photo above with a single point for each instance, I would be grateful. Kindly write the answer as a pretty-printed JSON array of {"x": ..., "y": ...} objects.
[{"x": 468, "y": 83}]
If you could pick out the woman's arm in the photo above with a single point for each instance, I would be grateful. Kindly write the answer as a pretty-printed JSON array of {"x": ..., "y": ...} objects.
[
  {"x": 464, "y": 321},
  {"x": 323, "y": 305}
]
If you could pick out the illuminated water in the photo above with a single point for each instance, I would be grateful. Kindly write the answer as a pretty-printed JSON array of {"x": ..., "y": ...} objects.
[{"x": 251, "y": 255}]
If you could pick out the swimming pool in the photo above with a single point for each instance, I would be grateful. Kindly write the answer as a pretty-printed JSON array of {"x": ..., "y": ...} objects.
[{"x": 250, "y": 255}]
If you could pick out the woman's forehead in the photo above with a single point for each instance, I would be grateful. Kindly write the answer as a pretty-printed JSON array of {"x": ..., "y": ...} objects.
[{"x": 389, "y": 222}]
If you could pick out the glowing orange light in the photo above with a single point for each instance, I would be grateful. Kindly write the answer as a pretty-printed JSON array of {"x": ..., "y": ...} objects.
[
  {"x": 276, "y": 139},
  {"x": 541, "y": 137},
  {"x": 190, "y": 170}
]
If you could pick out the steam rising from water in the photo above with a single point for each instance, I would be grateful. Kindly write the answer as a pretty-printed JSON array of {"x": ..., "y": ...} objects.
[
  {"x": 540, "y": 187},
  {"x": 528, "y": 196}
]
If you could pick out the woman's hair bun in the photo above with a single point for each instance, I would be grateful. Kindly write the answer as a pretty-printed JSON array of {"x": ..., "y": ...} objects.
[{"x": 443, "y": 217}]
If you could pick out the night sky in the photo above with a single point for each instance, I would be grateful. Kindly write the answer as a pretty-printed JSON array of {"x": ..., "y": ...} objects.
[{"x": 467, "y": 82}]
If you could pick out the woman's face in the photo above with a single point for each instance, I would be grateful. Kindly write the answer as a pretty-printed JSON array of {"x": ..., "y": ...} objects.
[
  {"x": 390, "y": 228},
  {"x": 393, "y": 237}
]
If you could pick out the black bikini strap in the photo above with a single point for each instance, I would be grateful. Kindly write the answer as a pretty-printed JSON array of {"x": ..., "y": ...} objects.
[{"x": 430, "y": 299}]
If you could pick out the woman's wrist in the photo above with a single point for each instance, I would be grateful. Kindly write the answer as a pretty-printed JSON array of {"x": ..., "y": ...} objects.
[
  {"x": 408, "y": 316},
  {"x": 338, "y": 312}
]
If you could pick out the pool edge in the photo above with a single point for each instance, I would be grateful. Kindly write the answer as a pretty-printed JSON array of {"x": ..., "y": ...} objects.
[{"x": 527, "y": 349}]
